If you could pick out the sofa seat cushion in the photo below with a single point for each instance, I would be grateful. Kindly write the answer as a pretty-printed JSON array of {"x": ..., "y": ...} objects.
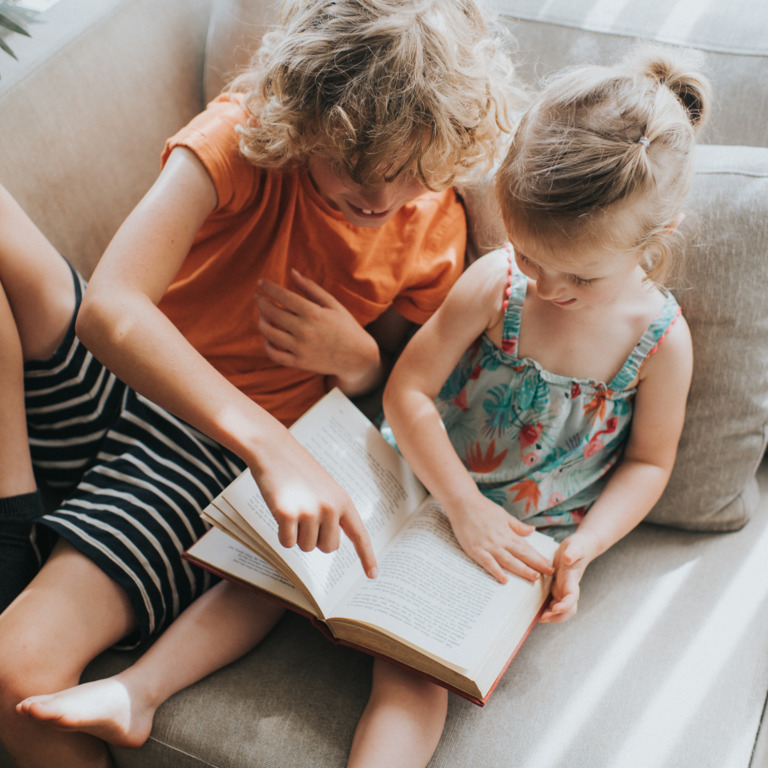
[{"x": 664, "y": 666}]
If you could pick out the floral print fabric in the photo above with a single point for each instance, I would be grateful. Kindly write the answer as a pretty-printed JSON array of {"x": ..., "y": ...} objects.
[{"x": 539, "y": 444}]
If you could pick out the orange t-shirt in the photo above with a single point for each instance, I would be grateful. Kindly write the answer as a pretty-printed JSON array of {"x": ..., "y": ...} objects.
[{"x": 268, "y": 221}]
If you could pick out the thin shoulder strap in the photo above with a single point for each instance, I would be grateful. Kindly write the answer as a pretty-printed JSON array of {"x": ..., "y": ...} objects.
[
  {"x": 514, "y": 295},
  {"x": 648, "y": 344}
]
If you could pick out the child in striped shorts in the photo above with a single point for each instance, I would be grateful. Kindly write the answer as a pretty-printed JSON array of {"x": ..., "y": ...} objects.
[
  {"x": 90, "y": 431},
  {"x": 297, "y": 226}
]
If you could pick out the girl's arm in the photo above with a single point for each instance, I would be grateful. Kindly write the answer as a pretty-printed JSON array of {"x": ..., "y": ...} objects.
[
  {"x": 120, "y": 322},
  {"x": 639, "y": 480},
  {"x": 487, "y": 533}
]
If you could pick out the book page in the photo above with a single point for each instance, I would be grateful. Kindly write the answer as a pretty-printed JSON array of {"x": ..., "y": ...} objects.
[
  {"x": 237, "y": 560},
  {"x": 231, "y": 522},
  {"x": 382, "y": 487},
  {"x": 433, "y": 596}
]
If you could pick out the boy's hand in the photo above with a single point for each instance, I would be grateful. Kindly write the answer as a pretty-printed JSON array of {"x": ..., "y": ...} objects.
[
  {"x": 495, "y": 540},
  {"x": 571, "y": 560},
  {"x": 311, "y": 330},
  {"x": 310, "y": 508}
]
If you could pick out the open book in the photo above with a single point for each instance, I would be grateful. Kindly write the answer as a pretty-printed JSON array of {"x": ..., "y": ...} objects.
[{"x": 431, "y": 608}]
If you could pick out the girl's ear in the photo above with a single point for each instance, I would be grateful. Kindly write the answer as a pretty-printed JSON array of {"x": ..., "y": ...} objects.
[{"x": 672, "y": 226}]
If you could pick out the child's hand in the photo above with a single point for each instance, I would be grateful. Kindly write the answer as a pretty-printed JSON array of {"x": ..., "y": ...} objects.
[
  {"x": 310, "y": 508},
  {"x": 571, "y": 560},
  {"x": 313, "y": 331},
  {"x": 495, "y": 540}
]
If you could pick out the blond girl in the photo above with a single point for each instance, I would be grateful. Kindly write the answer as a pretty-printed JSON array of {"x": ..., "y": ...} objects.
[{"x": 549, "y": 389}]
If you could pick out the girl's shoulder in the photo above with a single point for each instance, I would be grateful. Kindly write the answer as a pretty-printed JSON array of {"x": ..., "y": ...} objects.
[
  {"x": 492, "y": 266},
  {"x": 483, "y": 288},
  {"x": 488, "y": 277},
  {"x": 672, "y": 351}
]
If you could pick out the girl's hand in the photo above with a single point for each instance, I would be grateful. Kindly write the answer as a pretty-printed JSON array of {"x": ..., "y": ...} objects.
[
  {"x": 495, "y": 540},
  {"x": 571, "y": 560},
  {"x": 311, "y": 330},
  {"x": 310, "y": 508}
]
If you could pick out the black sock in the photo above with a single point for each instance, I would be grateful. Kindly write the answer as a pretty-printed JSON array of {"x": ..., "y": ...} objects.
[{"x": 18, "y": 558}]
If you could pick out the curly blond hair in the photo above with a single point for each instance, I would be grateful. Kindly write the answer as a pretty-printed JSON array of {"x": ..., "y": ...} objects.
[
  {"x": 383, "y": 87},
  {"x": 605, "y": 140}
]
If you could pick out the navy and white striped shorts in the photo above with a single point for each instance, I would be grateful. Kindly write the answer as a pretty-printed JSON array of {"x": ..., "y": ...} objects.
[{"x": 139, "y": 478}]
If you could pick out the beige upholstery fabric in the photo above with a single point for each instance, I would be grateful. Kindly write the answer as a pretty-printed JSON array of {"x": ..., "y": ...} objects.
[
  {"x": 732, "y": 35},
  {"x": 663, "y": 667},
  {"x": 723, "y": 296},
  {"x": 83, "y": 129},
  {"x": 665, "y": 664},
  {"x": 236, "y": 29}
]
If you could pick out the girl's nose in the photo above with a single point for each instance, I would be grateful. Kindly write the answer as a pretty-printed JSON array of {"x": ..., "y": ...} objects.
[{"x": 548, "y": 287}]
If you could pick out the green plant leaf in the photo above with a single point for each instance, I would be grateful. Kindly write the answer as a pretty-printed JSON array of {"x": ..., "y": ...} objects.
[
  {"x": 7, "y": 49},
  {"x": 14, "y": 20},
  {"x": 11, "y": 24},
  {"x": 20, "y": 16}
]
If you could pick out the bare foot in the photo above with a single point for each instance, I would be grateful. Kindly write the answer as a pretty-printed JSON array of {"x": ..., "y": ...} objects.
[{"x": 103, "y": 708}]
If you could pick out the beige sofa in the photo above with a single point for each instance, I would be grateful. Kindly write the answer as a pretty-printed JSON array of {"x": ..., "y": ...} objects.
[{"x": 666, "y": 663}]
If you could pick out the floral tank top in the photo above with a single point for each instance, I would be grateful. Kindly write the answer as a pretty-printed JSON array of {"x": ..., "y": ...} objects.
[{"x": 540, "y": 445}]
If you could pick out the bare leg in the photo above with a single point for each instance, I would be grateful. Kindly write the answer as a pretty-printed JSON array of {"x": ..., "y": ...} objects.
[
  {"x": 17, "y": 476},
  {"x": 402, "y": 722},
  {"x": 68, "y": 614},
  {"x": 37, "y": 281},
  {"x": 218, "y": 628},
  {"x": 37, "y": 300},
  {"x": 20, "y": 503}
]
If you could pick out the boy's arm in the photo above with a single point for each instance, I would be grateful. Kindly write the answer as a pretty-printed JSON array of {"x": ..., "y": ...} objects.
[
  {"x": 310, "y": 329},
  {"x": 639, "y": 480},
  {"x": 486, "y": 532},
  {"x": 390, "y": 331},
  {"x": 121, "y": 323},
  {"x": 305, "y": 327}
]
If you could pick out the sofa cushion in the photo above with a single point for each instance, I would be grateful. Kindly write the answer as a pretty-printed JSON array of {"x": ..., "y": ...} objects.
[
  {"x": 732, "y": 36},
  {"x": 723, "y": 295},
  {"x": 236, "y": 29},
  {"x": 558, "y": 33}
]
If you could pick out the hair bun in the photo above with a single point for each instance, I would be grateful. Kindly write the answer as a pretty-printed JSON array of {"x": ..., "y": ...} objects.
[{"x": 680, "y": 71}]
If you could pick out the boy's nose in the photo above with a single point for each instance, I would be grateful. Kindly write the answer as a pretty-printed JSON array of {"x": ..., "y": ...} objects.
[
  {"x": 381, "y": 197},
  {"x": 377, "y": 203}
]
